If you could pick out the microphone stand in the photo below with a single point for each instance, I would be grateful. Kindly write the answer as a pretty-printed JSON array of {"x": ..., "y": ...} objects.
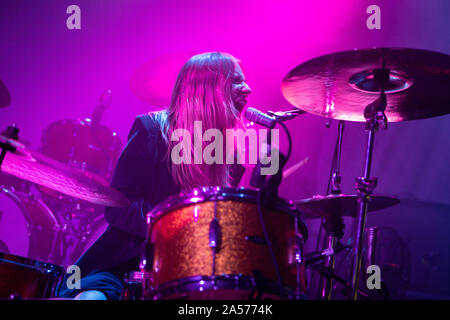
[
  {"x": 268, "y": 190},
  {"x": 334, "y": 224}
]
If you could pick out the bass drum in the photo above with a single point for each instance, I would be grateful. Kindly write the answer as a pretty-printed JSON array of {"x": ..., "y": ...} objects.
[{"x": 27, "y": 226}]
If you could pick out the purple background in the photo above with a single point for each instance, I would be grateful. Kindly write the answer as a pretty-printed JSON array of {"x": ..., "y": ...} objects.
[{"x": 54, "y": 73}]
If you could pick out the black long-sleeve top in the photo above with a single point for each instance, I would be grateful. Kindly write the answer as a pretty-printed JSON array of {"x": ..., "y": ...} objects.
[{"x": 142, "y": 175}]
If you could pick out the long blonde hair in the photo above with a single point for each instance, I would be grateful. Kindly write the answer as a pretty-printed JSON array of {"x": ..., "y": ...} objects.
[{"x": 202, "y": 92}]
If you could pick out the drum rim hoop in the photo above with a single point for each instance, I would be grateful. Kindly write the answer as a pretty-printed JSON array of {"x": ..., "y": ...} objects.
[
  {"x": 231, "y": 281},
  {"x": 205, "y": 194},
  {"x": 31, "y": 263}
]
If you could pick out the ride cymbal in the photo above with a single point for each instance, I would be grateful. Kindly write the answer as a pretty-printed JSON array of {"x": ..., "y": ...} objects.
[{"x": 340, "y": 85}]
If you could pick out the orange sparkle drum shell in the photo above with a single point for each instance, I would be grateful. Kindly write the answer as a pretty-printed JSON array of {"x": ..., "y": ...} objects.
[{"x": 180, "y": 235}]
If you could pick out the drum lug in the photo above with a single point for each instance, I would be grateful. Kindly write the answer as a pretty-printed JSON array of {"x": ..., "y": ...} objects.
[
  {"x": 215, "y": 234},
  {"x": 257, "y": 240},
  {"x": 295, "y": 250},
  {"x": 146, "y": 262}
]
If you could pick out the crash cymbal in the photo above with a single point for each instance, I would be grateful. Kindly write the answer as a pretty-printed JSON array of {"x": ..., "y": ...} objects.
[
  {"x": 341, "y": 85},
  {"x": 340, "y": 204},
  {"x": 5, "y": 97},
  {"x": 37, "y": 168}
]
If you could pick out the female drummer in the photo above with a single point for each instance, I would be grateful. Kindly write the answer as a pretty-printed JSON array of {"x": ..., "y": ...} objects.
[{"x": 210, "y": 88}]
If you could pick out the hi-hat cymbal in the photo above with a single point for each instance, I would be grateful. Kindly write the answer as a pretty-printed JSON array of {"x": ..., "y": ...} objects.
[
  {"x": 37, "y": 168},
  {"x": 5, "y": 97},
  {"x": 341, "y": 205},
  {"x": 341, "y": 85}
]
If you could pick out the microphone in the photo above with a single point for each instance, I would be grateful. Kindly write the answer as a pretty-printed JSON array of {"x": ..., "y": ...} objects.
[
  {"x": 270, "y": 118},
  {"x": 317, "y": 256},
  {"x": 259, "y": 117},
  {"x": 286, "y": 115}
]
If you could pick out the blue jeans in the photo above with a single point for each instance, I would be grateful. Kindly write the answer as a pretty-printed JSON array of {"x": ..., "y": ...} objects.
[{"x": 105, "y": 263}]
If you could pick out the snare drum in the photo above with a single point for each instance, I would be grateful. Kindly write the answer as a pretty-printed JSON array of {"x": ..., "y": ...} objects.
[
  {"x": 209, "y": 244},
  {"x": 23, "y": 278}
]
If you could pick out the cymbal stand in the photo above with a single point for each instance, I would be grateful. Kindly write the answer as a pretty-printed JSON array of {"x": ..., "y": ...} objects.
[
  {"x": 374, "y": 114},
  {"x": 335, "y": 225},
  {"x": 12, "y": 133}
]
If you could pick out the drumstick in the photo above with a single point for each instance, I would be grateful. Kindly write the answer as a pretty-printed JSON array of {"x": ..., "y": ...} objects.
[{"x": 294, "y": 168}]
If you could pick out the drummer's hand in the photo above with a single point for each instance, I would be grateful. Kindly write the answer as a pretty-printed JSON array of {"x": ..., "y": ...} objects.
[{"x": 91, "y": 295}]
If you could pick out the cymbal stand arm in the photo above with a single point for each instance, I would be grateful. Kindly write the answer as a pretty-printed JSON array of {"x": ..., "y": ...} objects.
[{"x": 12, "y": 132}]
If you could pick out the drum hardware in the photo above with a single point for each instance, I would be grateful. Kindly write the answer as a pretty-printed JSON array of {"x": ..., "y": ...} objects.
[
  {"x": 135, "y": 283},
  {"x": 105, "y": 102},
  {"x": 319, "y": 256},
  {"x": 374, "y": 113},
  {"x": 372, "y": 244},
  {"x": 342, "y": 86},
  {"x": 299, "y": 241},
  {"x": 257, "y": 240},
  {"x": 334, "y": 226},
  {"x": 11, "y": 136},
  {"x": 215, "y": 238},
  {"x": 5, "y": 97},
  {"x": 145, "y": 266}
]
